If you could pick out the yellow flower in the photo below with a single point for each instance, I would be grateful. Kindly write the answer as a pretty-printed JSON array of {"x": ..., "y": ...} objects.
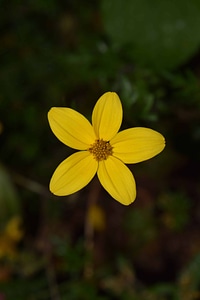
[
  {"x": 103, "y": 150},
  {"x": 14, "y": 229},
  {"x": 96, "y": 217},
  {"x": 9, "y": 238}
]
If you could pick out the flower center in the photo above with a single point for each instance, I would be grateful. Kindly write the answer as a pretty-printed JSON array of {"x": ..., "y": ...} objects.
[{"x": 100, "y": 149}]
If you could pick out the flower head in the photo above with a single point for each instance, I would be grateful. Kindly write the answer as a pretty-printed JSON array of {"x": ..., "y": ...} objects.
[
  {"x": 10, "y": 236},
  {"x": 102, "y": 149}
]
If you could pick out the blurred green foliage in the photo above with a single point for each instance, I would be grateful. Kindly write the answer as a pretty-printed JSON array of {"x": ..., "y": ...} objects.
[
  {"x": 67, "y": 53},
  {"x": 176, "y": 211},
  {"x": 9, "y": 199},
  {"x": 162, "y": 34}
]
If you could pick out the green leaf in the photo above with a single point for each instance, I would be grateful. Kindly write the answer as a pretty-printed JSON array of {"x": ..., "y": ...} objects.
[{"x": 158, "y": 34}]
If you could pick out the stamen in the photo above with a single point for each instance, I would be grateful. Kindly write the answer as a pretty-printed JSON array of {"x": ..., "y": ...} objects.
[{"x": 101, "y": 150}]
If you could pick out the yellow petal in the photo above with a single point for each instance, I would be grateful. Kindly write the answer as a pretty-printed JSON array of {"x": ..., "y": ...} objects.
[
  {"x": 107, "y": 116},
  {"x": 137, "y": 144},
  {"x": 71, "y": 127},
  {"x": 117, "y": 180},
  {"x": 73, "y": 174}
]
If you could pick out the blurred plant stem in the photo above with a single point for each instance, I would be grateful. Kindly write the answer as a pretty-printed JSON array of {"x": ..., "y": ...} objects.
[
  {"x": 29, "y": 184},
  {"x": 51, "y": 277},
  {"x": 89, "y": 228}
]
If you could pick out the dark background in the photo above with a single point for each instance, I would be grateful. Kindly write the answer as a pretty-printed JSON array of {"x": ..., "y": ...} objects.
[{"x": 87, "y": 245}]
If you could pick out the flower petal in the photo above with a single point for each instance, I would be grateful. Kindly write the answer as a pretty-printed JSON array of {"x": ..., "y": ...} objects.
[
  {"x": 73, "y": 174},
  {"x": 71, "y": 127},
  {"x": 107, "y": 116},
  {"x": 117, "y": 180},
  {"x": 137, "y": 144}
]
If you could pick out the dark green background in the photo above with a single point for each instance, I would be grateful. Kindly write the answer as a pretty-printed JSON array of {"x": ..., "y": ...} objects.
[{"x": 68, "y": 53}]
